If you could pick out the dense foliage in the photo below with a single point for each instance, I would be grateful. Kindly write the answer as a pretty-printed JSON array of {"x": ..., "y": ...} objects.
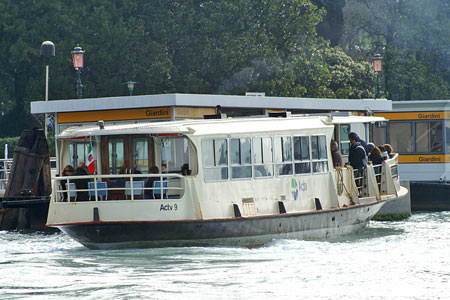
[
  {"x": 413, "y": 37},
  {"x": 222, "y": 46}
]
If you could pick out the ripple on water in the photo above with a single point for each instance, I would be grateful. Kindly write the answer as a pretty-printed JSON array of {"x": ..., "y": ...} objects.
[{"x": 406, "y": 259}]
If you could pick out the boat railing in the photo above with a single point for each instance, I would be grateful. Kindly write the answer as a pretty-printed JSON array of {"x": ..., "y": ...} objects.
[
  {"x": 376, "y": 180},
  {"x": 118, "y": 187}
]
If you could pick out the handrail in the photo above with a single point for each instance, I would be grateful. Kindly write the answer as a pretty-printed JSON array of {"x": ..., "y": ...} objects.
[
  {"x": 5, "y": 170},
  {"x": 386, "y": 176},
  {"x": 117, "y": 183}
]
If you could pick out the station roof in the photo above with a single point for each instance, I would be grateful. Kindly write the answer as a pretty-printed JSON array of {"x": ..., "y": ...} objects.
[
  {"x": 202, "y": 100},
  {"x": 422, "y": 105}
]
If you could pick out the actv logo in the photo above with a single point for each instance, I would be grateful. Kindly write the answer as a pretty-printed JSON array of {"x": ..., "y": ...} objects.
[{"x": 296, "y": 187}]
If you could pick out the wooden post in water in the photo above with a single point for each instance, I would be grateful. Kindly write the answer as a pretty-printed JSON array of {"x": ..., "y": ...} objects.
[
  {"x": 29, "y": 176},
  {"x": 21, "y": 152}
]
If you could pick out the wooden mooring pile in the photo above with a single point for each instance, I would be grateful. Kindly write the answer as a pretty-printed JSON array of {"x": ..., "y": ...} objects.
[{"x": 27, "y": 195}]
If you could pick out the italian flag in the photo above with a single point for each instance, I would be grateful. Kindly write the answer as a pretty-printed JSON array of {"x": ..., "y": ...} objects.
[{"x": 91, "y": 164}]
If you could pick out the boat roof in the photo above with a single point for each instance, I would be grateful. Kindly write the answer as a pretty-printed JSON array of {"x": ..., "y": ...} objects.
[{"x": 213, "y": 126}]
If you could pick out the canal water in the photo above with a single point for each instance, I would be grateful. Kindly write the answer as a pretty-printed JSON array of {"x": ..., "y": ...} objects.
[{"x": 387, "y": 260}]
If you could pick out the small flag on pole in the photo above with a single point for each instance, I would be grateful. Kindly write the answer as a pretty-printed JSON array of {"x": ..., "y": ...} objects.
[{"x": 91, "y": 164}]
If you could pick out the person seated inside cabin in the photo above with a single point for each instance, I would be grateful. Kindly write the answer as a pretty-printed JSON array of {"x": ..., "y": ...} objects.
[
  {"x": 336, "y": 155},
  {"x": 389, "y": 150},
  {"x": 149, "y": 183},
  {"x": 83, "y": 166},
  {"x": 122, "y": 170},
  {"x": 185, "y": 170},
  {"x": 67, "y": 171},
  {"x": 81, "y": 184}
]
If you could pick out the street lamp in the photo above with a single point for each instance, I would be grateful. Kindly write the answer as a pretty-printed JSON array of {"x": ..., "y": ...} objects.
[
  {"x": 77, "y": 57},
  {"x": 47, "y": 51},
  {"x": 377, "y": 67},
  {"x": 130, "y": 85}
]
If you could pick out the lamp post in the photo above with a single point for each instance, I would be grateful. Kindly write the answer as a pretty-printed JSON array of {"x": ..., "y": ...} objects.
[
  {"x": 130, "y": 85},
  {"x": 77, "y": 57},
  {"x": 377, "y": 67},
  {"x": 47, "y": 51}
]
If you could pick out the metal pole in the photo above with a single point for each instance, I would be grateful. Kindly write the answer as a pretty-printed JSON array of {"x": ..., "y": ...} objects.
[
  {"x": 378, "y": 86},
  {"x": 46, "y": 99},
  {"x": 79, "y": 85}
]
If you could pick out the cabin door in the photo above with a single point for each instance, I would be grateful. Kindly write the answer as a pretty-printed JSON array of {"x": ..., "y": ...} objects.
[{"x": 127, "y": 154}]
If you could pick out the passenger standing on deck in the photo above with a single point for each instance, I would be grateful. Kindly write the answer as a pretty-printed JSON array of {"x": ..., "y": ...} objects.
[
  {"x": 358, "y": 139},
  {"x": 375, "y": 156},
  {"x": 389, "y": 150},
  {"x": 357, "y": 156},
  {"x": 384, "y": 153},
  {"x": 336, "y": 154}
]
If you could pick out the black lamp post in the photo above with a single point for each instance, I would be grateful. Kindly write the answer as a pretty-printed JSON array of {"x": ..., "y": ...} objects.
[
  {"x": 377, "y": 67},
  {"x": 47, "y": 51},
  {"x": 130, "y": 85},
  {"x": 77, "y": 57}
]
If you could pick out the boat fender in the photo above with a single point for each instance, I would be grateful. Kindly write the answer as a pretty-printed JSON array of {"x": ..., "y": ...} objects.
[
  {"x": 237, "y": 212},
  {"x": 318, "y": 205},
  {"x": 96, "y": 215},
  {"x": 281, "y": 207}
]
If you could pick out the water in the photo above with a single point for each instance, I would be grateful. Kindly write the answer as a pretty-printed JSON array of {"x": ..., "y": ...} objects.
[{"x": 387, "y": 260}]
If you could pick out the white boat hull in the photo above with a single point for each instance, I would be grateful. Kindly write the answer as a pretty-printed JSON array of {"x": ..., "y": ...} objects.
[{"x": 245, "y": 231}]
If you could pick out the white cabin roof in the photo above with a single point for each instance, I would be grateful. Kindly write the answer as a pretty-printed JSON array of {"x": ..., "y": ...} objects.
[{"x": 215, "y": 126}]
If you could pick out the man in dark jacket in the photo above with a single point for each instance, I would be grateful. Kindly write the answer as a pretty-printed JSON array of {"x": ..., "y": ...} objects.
[
  {"x": 358, "y": 139},
  {"x": 357, "y": 156}
]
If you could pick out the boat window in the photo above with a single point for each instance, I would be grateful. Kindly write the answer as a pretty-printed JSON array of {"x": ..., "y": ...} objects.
[
  {"x": 319, "y": 154},
  {"x": 283, "y": 155},
  {"x": 140, "y": 155},
  {"x": 240, "y": 157},
  {"x": 400, "y": 136},
  {"x": 377, "y": 134},
  {"x": 302, "y": 162},
  {"x": 345, "y": 142},
  {"x": 428, "y": 136},
  {"x": 79, "y": 153},
  {"x": 175, "y": 152},
  {"x": 215, "y": 159},
  {"x": 116, "y": 156},
  {"x": 262, "y": 157}
]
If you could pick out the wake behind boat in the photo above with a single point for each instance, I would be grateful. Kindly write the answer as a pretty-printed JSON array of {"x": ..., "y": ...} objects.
[{"x": 244, "y": 182}]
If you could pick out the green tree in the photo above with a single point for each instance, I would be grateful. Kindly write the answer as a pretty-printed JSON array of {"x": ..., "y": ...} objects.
[{"x": 413, "y": 39}]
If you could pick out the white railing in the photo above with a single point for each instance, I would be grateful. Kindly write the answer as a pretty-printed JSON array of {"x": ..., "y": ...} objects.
[
  {"x": 5, "y": 170},
  {"x": 118, "y": 187},
  {"x": 385, "y": 174}
]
